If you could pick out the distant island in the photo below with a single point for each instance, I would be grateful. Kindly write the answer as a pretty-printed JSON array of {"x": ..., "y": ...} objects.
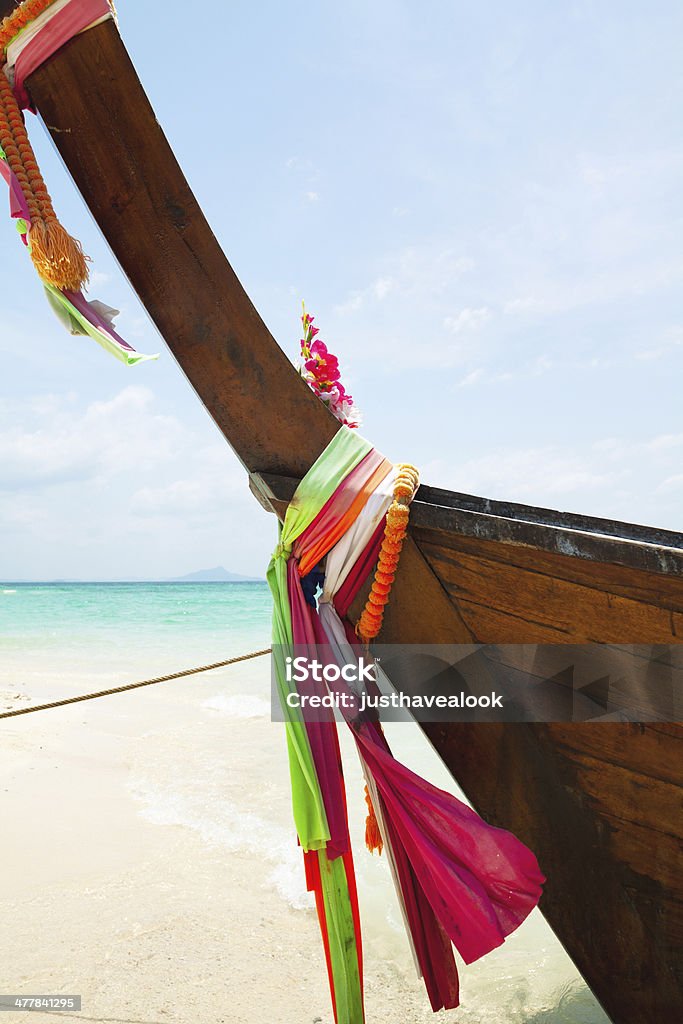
[{"x": 216, "y": 575}]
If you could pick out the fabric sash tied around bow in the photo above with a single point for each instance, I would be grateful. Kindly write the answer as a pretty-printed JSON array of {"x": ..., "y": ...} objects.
[{"x": 458, "y": 879}]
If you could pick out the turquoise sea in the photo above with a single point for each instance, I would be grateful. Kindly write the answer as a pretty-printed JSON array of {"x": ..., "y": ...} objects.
[
  {"x": 106, "y": 634},
  {"x": 191, "y": 771}
]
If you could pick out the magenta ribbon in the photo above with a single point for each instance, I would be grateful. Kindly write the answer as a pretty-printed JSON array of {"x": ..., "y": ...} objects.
[
  {"x": 461, "y": 880},
  {"x": 18, "y": 206},
  {"x": 71, "y": 20}
]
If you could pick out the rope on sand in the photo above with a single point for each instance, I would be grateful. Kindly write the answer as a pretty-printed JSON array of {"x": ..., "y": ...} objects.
[{"x": 133, "y": 686}]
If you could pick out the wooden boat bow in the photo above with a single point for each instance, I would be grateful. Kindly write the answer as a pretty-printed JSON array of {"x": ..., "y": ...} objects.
[{"x": 598, "y": 803}]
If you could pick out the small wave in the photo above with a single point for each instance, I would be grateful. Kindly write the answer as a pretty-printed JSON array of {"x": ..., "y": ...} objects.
[
  {"x": 9, "y": 591},
  {"x": 224, "y": 824},
  {"x": 239, "y": 706}
]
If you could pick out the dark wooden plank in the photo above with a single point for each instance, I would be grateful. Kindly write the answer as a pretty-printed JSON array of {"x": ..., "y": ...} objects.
[
  {"x": 644, "y": 681},
  {"x": 549, "y": 537},
  {"x": 549, "y": 517},
  {"x": 659, "y": 747},
  {"x": 660, "y": 590},
  {"x": 584, "y": 614}
]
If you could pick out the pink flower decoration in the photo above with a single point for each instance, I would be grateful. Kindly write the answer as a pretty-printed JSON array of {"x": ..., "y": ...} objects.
[{"x": 320, "y": 370}]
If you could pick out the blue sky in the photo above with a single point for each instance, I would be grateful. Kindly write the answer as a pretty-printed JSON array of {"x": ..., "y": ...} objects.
[{"x": 480, "y": 203}]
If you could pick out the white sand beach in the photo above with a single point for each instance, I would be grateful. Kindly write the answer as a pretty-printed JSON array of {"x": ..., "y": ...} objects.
[{"x": 149, "y": 864}]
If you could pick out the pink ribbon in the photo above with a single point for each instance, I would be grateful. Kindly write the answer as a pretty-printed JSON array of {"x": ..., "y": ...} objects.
[
  {"x": 72, "y": 19},
  {"x": 461, "y": 880},
  {"x": 18, "y": 206}
]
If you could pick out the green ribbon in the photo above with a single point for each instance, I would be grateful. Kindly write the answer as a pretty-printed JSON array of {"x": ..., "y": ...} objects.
[{"x": 343, "y": 453}]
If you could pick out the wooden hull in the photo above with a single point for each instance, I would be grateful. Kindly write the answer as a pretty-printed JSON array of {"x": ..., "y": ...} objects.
[{"x": 599, "y": 804}]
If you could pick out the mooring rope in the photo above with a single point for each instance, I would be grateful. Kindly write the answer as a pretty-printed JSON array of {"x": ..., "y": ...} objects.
[{"x": 133, "y": 686}]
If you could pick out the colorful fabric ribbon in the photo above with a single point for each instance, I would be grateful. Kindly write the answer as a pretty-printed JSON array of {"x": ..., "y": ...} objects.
[
  {"x": 43, "y": 36},
  {"x": 34, "y": 42},
  {"x": 18, "y": 207},
  {"x": 458, "y": 879}
]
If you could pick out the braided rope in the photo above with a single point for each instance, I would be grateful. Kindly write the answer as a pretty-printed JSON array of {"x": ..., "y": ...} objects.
[{"x": 133, "y": 686}]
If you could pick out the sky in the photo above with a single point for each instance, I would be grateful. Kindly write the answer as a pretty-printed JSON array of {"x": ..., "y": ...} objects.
[{"x": 481, "y": 205}]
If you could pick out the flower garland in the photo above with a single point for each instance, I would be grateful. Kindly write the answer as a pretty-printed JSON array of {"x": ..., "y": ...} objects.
[
  {"x": 58, "y": 258},
  {"x": 320, "y": 370},
  {"x": 12, "y": 25},
  {"x": 370, "y": 621}
]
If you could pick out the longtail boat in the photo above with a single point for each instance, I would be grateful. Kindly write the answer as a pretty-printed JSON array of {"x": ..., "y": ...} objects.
[{"x": 599, "y": 803}]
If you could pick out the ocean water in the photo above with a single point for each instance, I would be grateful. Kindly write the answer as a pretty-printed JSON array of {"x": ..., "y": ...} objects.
[
  {"x": 212, "y": 619},
  {"x": 60, "y": 639}
]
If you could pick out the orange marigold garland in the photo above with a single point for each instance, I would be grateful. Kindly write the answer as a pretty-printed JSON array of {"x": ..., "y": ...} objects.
[
  {"x": 58, "y": 258},
  {"x": 12, "y": 25},
  {"x": 370, "y": 622}
]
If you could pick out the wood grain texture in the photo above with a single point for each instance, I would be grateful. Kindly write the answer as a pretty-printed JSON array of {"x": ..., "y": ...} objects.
[
  {"x": 590, "y": 799},
  {"x": 601, "y": 804},
  {"x": 438, "y": 498},
  {"x": 554, "y": 537},
  {"x": 499, "y": 587}
]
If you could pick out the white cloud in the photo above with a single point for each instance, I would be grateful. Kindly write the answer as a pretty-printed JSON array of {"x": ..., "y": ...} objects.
[
  {"x": 548, "y": 471},
  {"x": 525, "y": 305},
  {"x": 664, "y": 442},
  {"x": 382, "y": 287},
  {"x": 614, "y": 477},
  {"x": 313, "y": 197},
  {"x": 352, "y": 304},
  {"x": 471, "y": 378},
  {"x": 667, "y": 344},
  {"x": 98, "y": 277},
  {"x": 184, "y": 496},
  {"x": 415, "y": 273},
  {"x": 542, "y": 364},
  {"x": 598, "y": 170},
  {"x": 467, "y": 320},
  {"x": 130, "y": 487},
  {"x": 671, "y": 484},
  {"x": 376, "y": 292},
  {"x": 104, "y": 439}
]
